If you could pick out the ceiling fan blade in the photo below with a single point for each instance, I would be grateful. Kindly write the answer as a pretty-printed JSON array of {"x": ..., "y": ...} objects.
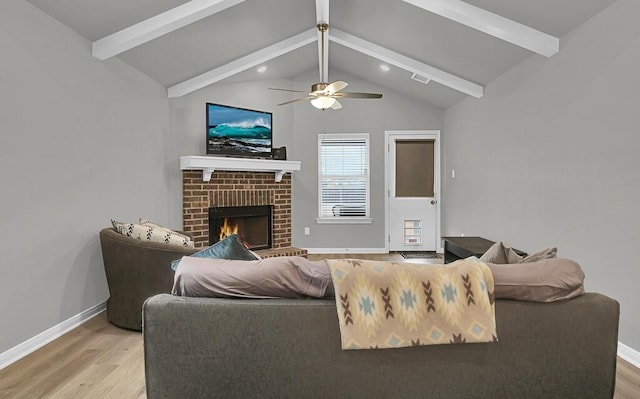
[
  {"x": 293, "y": 91},
  {"x": 335, "y": 87},
  {"x": 357, "y": 95},
  {"x": 296, "y": 100},
  {"x": 336, "y": 105}
]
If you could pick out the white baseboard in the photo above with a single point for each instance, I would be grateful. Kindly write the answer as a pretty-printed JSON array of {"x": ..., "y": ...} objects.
[
  {"x": 21, "y": 350},
  {"x": 629, "y": 354},
  {"x": 346, "y": 250}
]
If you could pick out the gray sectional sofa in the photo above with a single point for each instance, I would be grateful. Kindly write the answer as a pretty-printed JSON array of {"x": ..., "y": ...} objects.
[{"x": 290, "y": 348}]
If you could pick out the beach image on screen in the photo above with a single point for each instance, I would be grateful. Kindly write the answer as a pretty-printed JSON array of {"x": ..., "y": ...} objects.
[{"x": 237, "y": 131}]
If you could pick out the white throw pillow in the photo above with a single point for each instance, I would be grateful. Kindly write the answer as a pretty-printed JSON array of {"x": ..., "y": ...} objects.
[{"x": 152, "y": 234}]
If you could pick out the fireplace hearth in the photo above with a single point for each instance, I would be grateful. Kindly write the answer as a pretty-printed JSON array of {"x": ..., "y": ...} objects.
[{"x": 252, "y": 224}]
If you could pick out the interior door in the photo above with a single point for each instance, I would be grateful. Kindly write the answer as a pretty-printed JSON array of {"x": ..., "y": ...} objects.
[{"x": 413, "y": 190}]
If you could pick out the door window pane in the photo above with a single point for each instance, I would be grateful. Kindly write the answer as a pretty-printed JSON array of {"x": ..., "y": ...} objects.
[{"x": 414, "y": 168}]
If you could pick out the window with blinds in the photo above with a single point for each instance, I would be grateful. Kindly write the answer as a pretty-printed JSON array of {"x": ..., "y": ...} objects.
[{"x": 343, "y": 181}]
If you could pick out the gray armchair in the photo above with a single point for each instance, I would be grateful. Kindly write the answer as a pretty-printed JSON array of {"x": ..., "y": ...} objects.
[{"x": 135, "y": 270}]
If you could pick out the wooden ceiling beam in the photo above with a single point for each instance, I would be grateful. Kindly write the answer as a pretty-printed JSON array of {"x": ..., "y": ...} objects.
[
  {"x": 406, "y": 63},
  {"x": 492, "y": 24},
  {"x": 243, "y": 63},
  {"x": 157, "y": 26}
]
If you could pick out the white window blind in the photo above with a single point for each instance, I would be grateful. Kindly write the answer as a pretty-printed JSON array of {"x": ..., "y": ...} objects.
[{"x": 343, "y": 181}]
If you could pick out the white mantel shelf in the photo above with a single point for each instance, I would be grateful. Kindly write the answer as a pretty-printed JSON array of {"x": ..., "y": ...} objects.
[{"x": 209, "y": 164}]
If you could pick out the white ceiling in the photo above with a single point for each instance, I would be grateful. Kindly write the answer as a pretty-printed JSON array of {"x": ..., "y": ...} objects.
[{"x": 393, "y": 24}]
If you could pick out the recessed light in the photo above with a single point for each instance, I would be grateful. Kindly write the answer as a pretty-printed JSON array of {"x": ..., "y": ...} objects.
[
  {"x": 384, "y": 68},
  {"x": 262, "y": 69}
]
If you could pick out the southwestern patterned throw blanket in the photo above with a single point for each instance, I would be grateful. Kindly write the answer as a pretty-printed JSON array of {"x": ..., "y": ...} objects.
[{"x": 392, "y": 305}]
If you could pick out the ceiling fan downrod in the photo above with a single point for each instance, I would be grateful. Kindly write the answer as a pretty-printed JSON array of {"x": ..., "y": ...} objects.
[
  {"x": 324, "y": 95},
  {"x": 322, "y": 27}
]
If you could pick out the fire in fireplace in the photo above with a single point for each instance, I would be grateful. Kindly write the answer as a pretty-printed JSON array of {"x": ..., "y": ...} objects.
[{"x": 252, "y": 224}]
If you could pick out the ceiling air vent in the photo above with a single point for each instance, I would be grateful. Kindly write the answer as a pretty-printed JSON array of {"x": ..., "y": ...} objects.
[{"x": 420, "y": 78}]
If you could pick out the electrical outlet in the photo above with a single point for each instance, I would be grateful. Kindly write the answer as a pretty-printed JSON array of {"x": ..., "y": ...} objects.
[{"x": 307, "y": 231}]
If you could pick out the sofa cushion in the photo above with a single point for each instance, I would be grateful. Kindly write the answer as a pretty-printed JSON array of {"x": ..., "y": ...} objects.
[
  {"x": 277, "y": 277},
  {"x": 151, "y": 234},
  {"x": 547, "y": 280},
  {"x": 228, "y": 248}
]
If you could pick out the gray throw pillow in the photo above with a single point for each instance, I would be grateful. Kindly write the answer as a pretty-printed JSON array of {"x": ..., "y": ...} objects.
[
  {"x": 547, "y": 253},
  {"x": 229, "y": 248},
  {"x": 512, "y": 256},
  {"x": 495, "y": 254}
]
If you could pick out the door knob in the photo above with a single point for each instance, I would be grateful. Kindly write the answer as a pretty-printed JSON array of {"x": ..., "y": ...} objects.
[{"x": 433, "y": 202}]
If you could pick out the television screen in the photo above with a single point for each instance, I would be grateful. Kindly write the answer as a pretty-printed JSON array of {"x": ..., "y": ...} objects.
[{"x": 233, "y": 131}]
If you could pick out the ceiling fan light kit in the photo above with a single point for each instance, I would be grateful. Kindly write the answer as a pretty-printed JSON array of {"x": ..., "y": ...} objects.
[
  {"x": 323, "y": 102},
  {"x": 322, "y": 95}
]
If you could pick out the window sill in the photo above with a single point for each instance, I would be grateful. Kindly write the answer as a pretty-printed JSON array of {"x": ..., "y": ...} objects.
[{"x": 344, "y": 220}]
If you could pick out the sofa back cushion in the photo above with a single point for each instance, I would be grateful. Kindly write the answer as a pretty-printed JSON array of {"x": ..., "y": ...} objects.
[{"x": 547, "y": 280}]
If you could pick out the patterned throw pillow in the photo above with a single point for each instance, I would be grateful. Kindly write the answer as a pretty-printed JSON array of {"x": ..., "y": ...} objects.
[
  {"x": 147, "y": 222},
  {"x": 151, "y": 234}
]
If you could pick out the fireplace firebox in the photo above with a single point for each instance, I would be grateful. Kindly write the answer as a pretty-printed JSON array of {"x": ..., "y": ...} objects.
[{"x": 252, "y": 224}]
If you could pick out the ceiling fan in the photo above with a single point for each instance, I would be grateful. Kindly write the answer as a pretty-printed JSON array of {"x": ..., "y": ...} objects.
[{"x": 323, "y": 95}]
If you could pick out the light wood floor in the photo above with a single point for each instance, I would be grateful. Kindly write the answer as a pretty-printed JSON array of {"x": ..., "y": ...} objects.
[
  {"x": 95, "y": 360},
  {"x": 99, "y": 360}
]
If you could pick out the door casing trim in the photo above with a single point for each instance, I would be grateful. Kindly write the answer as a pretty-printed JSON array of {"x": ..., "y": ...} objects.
[{"x": 419, "y": 134}]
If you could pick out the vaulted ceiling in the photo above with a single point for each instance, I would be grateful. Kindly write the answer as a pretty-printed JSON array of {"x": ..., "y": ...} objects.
[{"x": 461, "y": 46}]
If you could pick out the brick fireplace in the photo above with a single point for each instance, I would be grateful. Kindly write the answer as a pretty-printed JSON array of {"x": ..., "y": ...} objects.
[{"x": 235, "y": 189}]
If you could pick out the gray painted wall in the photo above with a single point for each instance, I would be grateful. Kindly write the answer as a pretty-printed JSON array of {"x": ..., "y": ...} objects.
[
  {"x": 296, "y": 126},
  {"x": 549, "y": 157},
  {"x": 188, "y": 115},
  {"x": 392, "y": 112},
  {"x": 81, "y": 141}
]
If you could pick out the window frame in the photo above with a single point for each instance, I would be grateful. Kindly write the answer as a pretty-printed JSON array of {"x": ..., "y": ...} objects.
[{"x": 366, "y": 219}]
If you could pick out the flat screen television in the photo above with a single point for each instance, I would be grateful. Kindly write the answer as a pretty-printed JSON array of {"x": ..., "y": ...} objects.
[{"x": 238, "y": 132}]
